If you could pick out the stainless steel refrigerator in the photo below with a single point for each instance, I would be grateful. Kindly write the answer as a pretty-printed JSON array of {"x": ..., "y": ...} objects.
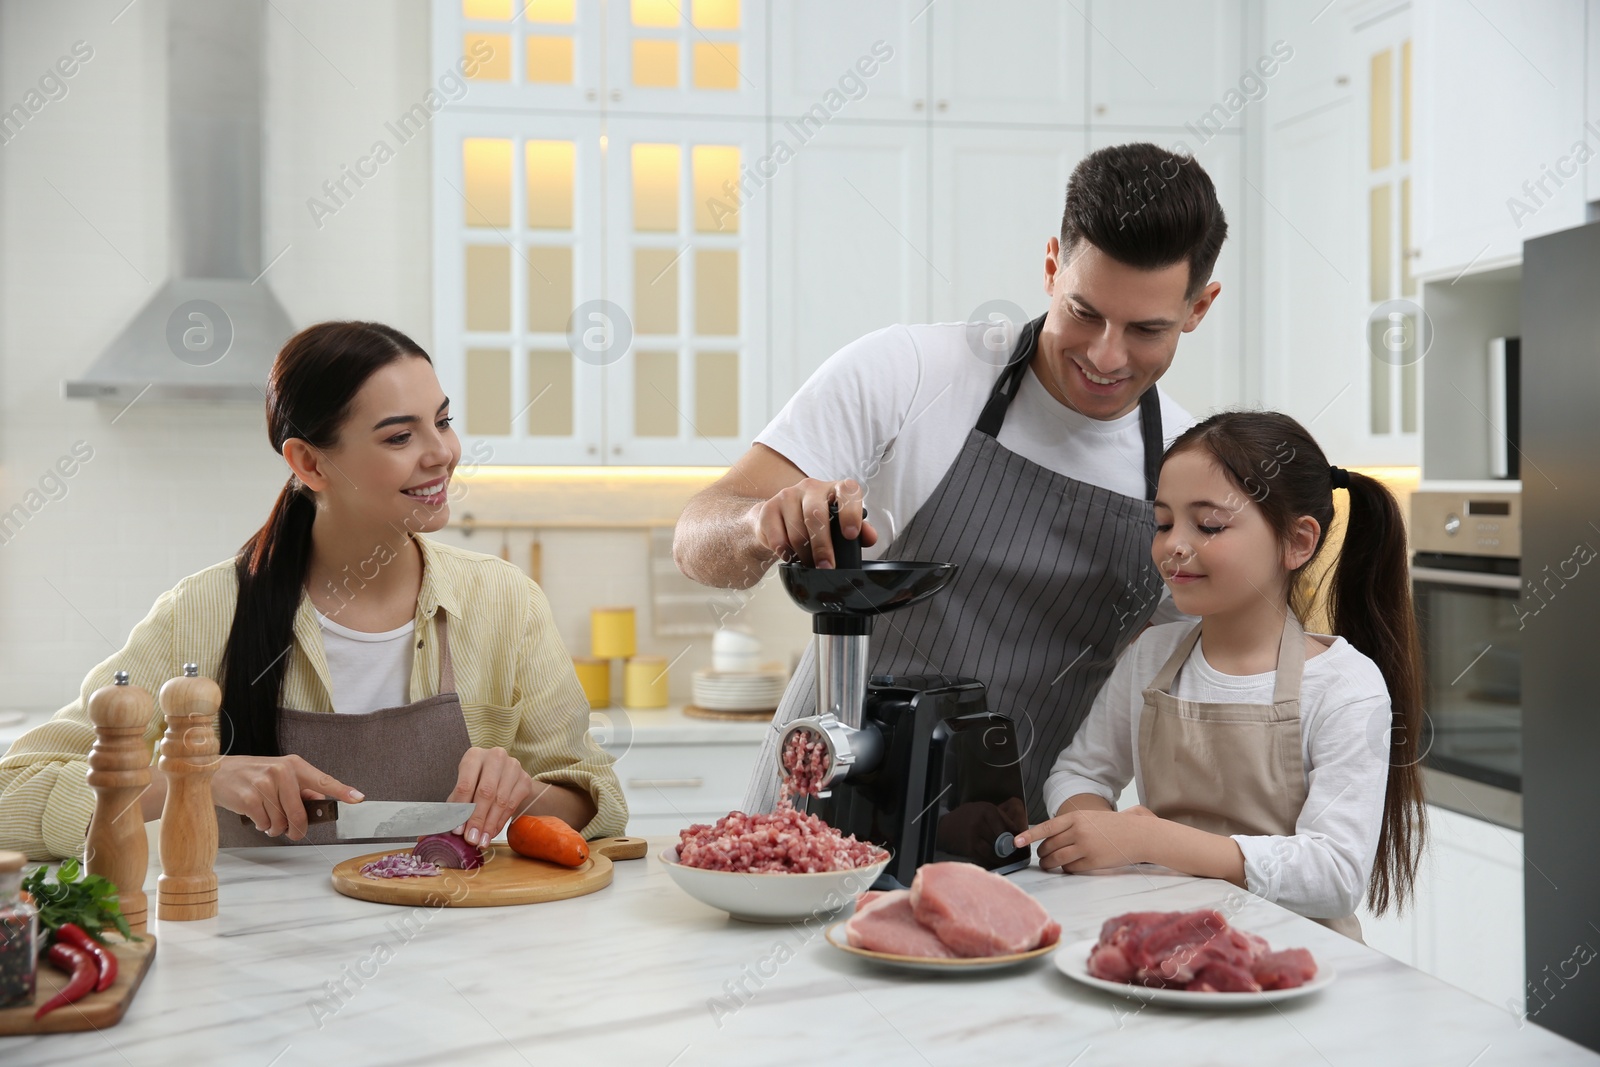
[{"x": 1561, "y": 670}]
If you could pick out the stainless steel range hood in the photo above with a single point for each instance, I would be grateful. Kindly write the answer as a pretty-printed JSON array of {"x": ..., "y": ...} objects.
[{"x": 212, "y": 330}]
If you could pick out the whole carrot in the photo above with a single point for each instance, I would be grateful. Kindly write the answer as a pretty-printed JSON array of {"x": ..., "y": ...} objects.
[{"x": 545, "y": 837}]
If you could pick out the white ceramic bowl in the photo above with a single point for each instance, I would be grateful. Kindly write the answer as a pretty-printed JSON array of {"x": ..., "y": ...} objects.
[
  {"x": 773, "y": 898},
  {"x": 735, "y": 650}
]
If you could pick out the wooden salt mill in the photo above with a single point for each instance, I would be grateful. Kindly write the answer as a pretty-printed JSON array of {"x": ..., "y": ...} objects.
[
  {"x": 187, "y": 888},
  {"x": 119, "y": 773}
]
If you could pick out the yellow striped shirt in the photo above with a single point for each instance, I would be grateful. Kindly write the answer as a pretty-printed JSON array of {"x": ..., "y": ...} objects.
[{"x": 515, "y": 680}]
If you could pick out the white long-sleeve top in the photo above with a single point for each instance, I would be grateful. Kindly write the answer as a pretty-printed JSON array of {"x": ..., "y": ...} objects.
[{"x": 1321, "y": 870}]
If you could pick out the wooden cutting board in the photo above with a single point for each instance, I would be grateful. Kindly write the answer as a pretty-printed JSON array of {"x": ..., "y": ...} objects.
[
  {"x": 96, "y": 1011},
  {"x": 504, "y": 878}
]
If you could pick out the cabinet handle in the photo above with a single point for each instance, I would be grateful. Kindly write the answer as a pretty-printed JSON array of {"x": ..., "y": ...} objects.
[
  {"x": 665, "y": 783},
  {"x": 593, "y": 450},
  {"x": 917, "y": 105},
  {"x": 616, "y": 94},
  {"x": 944, "y": 105},
  {"x": 1099, "y": 109},
  {"x": 591, "y": 95}
]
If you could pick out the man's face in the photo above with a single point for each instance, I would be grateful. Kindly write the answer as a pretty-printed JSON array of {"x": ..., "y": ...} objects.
[{"x": 1116, "y": 323}]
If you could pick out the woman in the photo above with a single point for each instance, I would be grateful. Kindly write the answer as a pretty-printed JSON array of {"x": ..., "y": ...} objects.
[{"x": 333, "y": 624}]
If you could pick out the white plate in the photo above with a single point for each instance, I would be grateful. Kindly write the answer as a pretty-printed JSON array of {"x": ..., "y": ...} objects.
[
  {"x": 933, "y": 965},
  {"x": 1073, "y": 961}
]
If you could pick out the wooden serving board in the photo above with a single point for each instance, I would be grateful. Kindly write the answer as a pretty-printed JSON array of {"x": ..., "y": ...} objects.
[
  {"x": 504, "y": 878},
  {"x": 96, "y": 1011}
]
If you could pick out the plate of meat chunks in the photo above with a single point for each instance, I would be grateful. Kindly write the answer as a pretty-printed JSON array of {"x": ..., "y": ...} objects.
[{"x": 1190, "y": 958}]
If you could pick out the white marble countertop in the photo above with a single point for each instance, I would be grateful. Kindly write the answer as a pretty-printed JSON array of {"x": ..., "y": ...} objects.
[{"x": 642, "y": 974}]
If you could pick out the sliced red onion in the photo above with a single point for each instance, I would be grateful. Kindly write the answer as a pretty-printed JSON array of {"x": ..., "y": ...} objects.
[
  {"x": 399, "y": 865},
  {"x": 449, "y": 850}
]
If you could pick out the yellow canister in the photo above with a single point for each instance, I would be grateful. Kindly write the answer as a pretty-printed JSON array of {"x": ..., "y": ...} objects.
[
  {"x": 612, "y": 633},
  {"x": 644, "y": 682},
  {"x": 595, "y": 677}
]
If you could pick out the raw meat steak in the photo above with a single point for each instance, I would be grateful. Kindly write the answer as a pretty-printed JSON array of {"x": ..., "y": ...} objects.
[
  {"x": 1193, "y": 950},
  {"x": 978, "y": 913},
  {"x": 1285, "y": 969},
  {"x": 885, "y": 924}
]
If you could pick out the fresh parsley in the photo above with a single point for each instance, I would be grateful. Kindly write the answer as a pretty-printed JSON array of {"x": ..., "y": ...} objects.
[{"x": 87, "y": 900}]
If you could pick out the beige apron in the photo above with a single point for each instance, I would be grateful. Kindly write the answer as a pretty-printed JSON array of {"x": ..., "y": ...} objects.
[
  {"x": 411, "y": 752},
  {"x": 1229, "y": 768}
]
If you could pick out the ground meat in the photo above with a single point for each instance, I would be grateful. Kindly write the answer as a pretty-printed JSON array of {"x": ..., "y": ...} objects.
[
  {"x": 805, "y": 761},
  {"x": 783, "y": 841}
]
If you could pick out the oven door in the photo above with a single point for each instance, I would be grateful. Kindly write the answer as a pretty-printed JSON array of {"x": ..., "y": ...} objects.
[{"x": 1471, "y": 637}]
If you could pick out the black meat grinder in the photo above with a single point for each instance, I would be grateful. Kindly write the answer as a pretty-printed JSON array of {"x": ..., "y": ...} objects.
[{"x": 915, "y": 763}]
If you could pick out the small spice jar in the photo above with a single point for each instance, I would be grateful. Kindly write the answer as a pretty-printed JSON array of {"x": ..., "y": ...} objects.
[{"x": 19, "y": 934}]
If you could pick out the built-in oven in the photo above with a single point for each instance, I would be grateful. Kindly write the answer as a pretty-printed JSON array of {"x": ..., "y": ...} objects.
[{"x": 1466, "y": 575}]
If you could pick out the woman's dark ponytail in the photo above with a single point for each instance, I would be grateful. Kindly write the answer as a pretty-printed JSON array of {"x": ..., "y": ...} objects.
[
  {"x": 1369, "y": 600},
  {"x": 313, "y": 382}
]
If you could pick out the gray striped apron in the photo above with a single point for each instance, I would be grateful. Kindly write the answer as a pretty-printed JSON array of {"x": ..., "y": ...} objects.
[{"x": 1054, "y": 580}]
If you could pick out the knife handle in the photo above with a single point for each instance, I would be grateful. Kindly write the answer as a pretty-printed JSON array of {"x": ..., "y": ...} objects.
[{"x": 316, "y": 811}]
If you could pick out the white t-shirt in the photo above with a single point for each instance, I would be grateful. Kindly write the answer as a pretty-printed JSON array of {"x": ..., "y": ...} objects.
[
  {"x": 1321, "y": 870},
  {"x": 892, "y": 410},
  {"x": 368, "y": 671}
]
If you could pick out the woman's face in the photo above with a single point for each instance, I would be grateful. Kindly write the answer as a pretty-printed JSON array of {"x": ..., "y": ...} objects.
[{"x": 396, "y": 452}]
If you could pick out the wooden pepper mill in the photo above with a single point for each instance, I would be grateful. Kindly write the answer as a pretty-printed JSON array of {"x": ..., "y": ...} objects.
[
  {"x": 187, "y": 888},
  {"x": 119, "y": 773}
]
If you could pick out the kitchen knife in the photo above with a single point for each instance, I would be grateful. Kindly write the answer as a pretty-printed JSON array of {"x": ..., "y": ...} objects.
[{"x": 385, "y": 818}]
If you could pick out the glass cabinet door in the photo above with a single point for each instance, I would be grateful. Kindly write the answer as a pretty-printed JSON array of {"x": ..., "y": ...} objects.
[
  {"x": 520, "y": 53},
  {"x": 686, "y": 57},
  {"x": 686, "y": 263},
  {"x": 517, "y": 266}
]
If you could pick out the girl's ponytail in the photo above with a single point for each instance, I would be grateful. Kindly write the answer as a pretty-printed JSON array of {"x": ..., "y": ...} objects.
[{"x": 1369, "y": 601}]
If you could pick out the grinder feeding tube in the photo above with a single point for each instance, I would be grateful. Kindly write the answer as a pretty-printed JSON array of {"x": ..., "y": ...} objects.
[{"x": 915, "y": 763}]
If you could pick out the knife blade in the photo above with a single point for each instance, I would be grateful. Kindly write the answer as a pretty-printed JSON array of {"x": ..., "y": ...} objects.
[{"x": 386, "y": 818}]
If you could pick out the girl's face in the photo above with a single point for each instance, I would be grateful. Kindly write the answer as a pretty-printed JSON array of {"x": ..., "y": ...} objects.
[
  {"x": 396, "y": 452},
  {"x": 1212, "y": 544}
]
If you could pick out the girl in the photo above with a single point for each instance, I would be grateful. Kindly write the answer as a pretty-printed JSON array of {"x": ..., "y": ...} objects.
[
  {"x": 355, "y": 656},
  {"x": 1282, "y": 761}
]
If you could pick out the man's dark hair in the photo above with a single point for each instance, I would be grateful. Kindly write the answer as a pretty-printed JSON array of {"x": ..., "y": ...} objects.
[{"x": 1147, "y": 207}]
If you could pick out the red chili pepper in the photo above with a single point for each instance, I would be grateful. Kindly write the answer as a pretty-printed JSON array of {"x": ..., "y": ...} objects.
[
  {"x": 75, "y": 962},
  {"x": 105, "y": 960}
]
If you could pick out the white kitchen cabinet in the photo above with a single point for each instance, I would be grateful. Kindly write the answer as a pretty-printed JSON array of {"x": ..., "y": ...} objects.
[
  {"x": 1045, "y": 45},
  {"x": 853, "y": 60},
  {"x": 1466, "y": 925},
  {"x": 1592, "y": 105},
  {"x": 1164, "y": 62},
  {"x": 1330, "y": 258},
  {"x": 669, "y": 786},
  {"x": 686, "y": 260},
  {"x": 668, "y": 57},
  {"x": 1314, "y": 355},
  {"x": 515, "y": 198},
  {"x": 541, "y": 54},
  {"x": 1207, "y": 371},
  {"x": 997, "y": 198},
  {"x": 850, "y": 243},
  {"x": 1499, "y": 109}
]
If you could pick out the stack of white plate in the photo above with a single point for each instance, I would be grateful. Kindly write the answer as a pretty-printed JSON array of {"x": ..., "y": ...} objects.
[{"x": 753, "y": 690}]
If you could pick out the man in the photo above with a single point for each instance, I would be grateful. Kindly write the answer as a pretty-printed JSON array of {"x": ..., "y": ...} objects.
[{"x": 1031, "y": 468}]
